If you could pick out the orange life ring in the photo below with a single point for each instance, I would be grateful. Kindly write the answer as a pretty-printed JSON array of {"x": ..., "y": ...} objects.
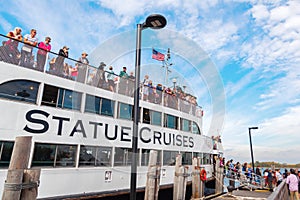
[{"x": 203, "y": 175}]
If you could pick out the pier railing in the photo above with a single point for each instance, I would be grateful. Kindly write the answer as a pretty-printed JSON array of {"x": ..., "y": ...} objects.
[
  {"x": 12, "y": 51},
  {"x": 280, "y": 193}
]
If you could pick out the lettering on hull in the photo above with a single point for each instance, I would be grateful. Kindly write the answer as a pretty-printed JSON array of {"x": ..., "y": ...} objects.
[{"x": 111, "y": 131}]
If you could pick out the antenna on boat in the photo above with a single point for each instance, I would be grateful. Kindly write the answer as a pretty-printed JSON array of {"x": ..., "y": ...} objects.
[{"x": 166, "y": 64}]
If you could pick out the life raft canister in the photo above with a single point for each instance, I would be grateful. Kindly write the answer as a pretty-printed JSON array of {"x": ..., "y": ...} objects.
[{"x": 203, "y": 175}]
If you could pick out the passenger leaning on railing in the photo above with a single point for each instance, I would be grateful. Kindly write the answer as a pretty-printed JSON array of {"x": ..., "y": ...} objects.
[
  {"x": 30, "y": 41},
  {"x": 9, "y": 50},
  {"x": 44, "y": 48},
  {"x": 59, "y": 61},
  {"x": 81, "y": 67}
]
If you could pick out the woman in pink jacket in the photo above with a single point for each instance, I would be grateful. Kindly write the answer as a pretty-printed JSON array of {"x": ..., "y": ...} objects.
[{"x": 44, "y": 47}]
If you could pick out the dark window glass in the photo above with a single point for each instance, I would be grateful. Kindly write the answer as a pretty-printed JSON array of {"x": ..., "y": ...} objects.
[
  {"x": 50, "y": 95},
  {"x": 107, "y": 107},
  {"x": 44, "y": 155},
  {"x": 72, "y": 100},
  {"x": 146, "y": 156},
  {"x": 156, "y": 118},
  {"x": 125, "y": 111},
  {"x": 20, "y": 90},
  {"x": 92, "y": 104},
  {"x": 171, "y": 121},
  {"x": 87, "y": 156},
  {"x": 66, "y": 155},
  {"x": 95, "y": 156},
  {"x": 199, "y": 156},
  {"x": 185, "y": 125},
  {"x": 206, "y": 159},
  {"x": 187, "y": 158},
  {"x": 169, "y": 157},
  {"x": 61, "y": 98},
  {"x": 195, "y": 128},
  {"x": 123, "y": 156},
  {"x": 104, "y": 156},
  {"x": 6, "y": 149},
  {"x": 146, "y": 116}
]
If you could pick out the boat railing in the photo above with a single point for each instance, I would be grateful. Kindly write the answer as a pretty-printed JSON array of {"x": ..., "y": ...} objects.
[
  {"x": 68, "y": 68},
  {"x": 248, "y": 180}
]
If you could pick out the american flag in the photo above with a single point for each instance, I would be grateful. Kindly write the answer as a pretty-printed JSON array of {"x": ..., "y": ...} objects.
[{"x": 157, "y": 55}]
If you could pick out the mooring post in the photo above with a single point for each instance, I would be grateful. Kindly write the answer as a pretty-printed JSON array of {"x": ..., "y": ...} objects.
[
  {"x": 19, "y": 162},
  {"x": 153, "y": 177},
  {"x": 195, "y": 179},
  {"x": 178, "y": 164}
]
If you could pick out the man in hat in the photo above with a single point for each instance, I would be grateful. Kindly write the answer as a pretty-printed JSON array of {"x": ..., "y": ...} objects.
[
  {"x": 81, "y": 67},
  {"x": 99, "y": 79}
]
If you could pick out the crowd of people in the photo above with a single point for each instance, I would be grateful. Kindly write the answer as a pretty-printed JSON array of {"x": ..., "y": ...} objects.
[
  {"x": 81, "y": 72},
  {"x": 270, "y": 178}
]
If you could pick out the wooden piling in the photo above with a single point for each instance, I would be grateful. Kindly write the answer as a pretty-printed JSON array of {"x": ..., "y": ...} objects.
[
  {"x": 219, "y": 177},
  {"x": 31, "y": 179},
  {"x": 153, "y": 177},
  {"x": 180, "y": 180},
  {"x": 195, "y": 179},
  {"x": 15, "y": 175},
  {"x": 178, "y": 163}
]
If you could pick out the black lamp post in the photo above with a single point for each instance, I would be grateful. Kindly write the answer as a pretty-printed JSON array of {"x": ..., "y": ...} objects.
[
  {"x": 154, "y": 21},
  {"x": 251, "y": 147}
]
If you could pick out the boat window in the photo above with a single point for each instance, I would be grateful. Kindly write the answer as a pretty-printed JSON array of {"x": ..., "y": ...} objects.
[
  {"x": 125, "y": 111},
  {"x": 6, "y": 149},
  {"x": 99, "y": 105},
  {"x": 171, "y": 121},
  {"x": 92, "y": 104},
  {"x": 66, "y": 155},
  {"x": 187, "y": 158},
  {"x": 53, "y": 155},
  {"x": 155, "y": 118},
  {"x": 206, "y": 159},
  {"x": 185, "y": 125},
  {"x": 169, "y": 157},
  {"x": 95, "y": 156},
  {"x": 50, "y": 95},
  {"x": 62, "y": 98},
  {"x": 44, "y": 155},
  {"x": 195, "y": 128},
  {"x": 146, "y": 156},
  {"x": 151, "y": 117},
  {"x": 20, "y": 90},
  {"x": 69, "y": 99},
  {"x": 107, "y": 107},
  {"x": 199, "y": 156},
  {"x": 146, "y": 116},
  {"x": 123, "y": 156}
]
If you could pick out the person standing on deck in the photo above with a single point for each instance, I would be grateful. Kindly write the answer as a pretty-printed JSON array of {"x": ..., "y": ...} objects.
[
  {"x": 9, "y": 52},
  {"x": 270, "y": 179},
  {"x": 30, "y": 41},
  {"x": 59, "y": 62},
  {"x": 44, "y": 47},
  {"x": 258, "y": 174},
  {"x": 293, "y": 181},
  {"x": 82, "y": 67}
]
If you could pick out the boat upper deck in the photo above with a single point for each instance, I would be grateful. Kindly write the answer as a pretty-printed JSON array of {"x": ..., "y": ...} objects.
[{"x": 13, "y": 51}]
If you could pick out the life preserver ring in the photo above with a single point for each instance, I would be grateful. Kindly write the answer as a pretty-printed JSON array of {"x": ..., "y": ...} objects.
[{"x": 203, "y": 175}]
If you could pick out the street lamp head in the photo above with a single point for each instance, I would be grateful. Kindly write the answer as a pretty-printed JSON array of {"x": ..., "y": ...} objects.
[
  {"x": 155, "y": 21},
  {"x": 253, "y": 127}
]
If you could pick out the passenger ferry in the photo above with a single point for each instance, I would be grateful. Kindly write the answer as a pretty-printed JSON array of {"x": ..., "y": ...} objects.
[{"x": 81, "y": 130}]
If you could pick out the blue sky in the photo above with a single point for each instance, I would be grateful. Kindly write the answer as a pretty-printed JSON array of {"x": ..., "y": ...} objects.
[{"x": 241, "y": 58}]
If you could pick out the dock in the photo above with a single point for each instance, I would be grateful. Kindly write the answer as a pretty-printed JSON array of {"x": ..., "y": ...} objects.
[{"x": 245, "y": 195}]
